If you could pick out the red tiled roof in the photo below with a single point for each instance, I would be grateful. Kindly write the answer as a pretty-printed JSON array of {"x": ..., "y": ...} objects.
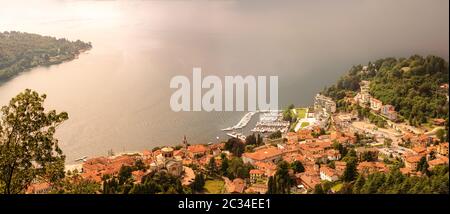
[
  {"x": 37, "y": 187},
  {"x": 372, "y": 167},
  {"x": 263, "y": 154},
  {"x": 328, "y": 171},
  {"x": 256, "y": 171},
  {"x": 309, "y": 181},
  {"x": 147, "y": 153},
  {"x": 413, "y": 158},
  {"x": 419, "y": 149},
  {"x": 438, "y": 161},
  {"x": 198, "y": 148}
]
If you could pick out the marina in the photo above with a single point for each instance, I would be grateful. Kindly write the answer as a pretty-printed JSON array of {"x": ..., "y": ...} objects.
[{"x": 271, "y": 121}]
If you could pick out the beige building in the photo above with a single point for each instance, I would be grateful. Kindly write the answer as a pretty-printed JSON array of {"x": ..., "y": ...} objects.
[{"x": 167, "y": 161}]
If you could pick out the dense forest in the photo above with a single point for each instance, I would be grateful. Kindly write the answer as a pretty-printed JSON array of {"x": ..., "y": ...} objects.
[
  {"x": 21, "y": 51},
  {"x": 411, "y": 85}
]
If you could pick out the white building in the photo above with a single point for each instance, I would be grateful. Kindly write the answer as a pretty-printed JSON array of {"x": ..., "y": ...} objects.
[
  {"x": 328, "y": 174},
  {"x": 322, "y": 101}
]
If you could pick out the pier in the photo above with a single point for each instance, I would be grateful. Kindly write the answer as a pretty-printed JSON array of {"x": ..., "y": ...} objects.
[
  {"x": 237, "y": 135},
  {"x": 242, "y": 123}
]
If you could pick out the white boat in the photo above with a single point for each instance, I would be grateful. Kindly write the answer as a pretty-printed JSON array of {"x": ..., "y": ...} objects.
[{"x": 81, "y": 159}]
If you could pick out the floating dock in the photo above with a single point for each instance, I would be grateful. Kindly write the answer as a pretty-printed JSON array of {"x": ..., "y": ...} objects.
[{"x": 242, "y": 123}]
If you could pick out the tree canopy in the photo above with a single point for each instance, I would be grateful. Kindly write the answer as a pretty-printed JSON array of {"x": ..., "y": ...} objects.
[
  {"x": 395, "y": 182},
  {"x": 28, "y": 149},
  {"x": 235, "y": 146},
  {"x": 411, "y": 85},
  {"x": 282, "y": 181},
  {"x": 21, "y": 51}
]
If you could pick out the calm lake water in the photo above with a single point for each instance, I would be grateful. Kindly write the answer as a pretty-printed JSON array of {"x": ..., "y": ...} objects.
[{"x": 117, "y": 94}]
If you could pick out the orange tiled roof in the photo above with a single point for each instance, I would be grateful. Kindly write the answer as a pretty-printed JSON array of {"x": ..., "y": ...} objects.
[
  {"x": 198, "y": 148},
  {"x": 328, "y": 171},
  {"x": 36, "y": 187},
  {"x": 438, "y": 161},
  {"x": 413, "y": 158},
  {"x": 419, "y": 149},
  {"x": 256, "y": 171},
  {"x": 309, "y": 181},
  {"x": 147, "y": 153},
  {"x": 264, "y": 166},
  {"x": 263, "y": 154}
]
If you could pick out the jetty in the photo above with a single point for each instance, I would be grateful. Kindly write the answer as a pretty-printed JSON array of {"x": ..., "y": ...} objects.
[
  {"x": 237, "y": 135},
  {"x": 81, "y": 159},
  {"x": 242, "y": 123}
]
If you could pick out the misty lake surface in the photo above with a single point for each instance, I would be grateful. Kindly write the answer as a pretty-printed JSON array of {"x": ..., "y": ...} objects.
[{"x": 117, "y": 94}]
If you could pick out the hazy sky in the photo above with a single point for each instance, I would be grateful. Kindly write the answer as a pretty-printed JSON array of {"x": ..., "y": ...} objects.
[
  {"x": 118, "y": 94},
  {"x": 378, "y": 27}
]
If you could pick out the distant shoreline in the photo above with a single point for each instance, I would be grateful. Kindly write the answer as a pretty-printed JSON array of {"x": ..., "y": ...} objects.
[
  {"x": 22, "y": 52},
  {"x": 5, "y": 80}
]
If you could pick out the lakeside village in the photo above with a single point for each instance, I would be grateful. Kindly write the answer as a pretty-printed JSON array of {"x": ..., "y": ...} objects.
[{"x": 313, "y": 139}]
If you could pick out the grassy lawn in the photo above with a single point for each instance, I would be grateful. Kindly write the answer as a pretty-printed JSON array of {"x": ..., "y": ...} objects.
[
  {"x": 301, "y": 112},
  {"x": 298, "y": 113},
  {"x": 304, "y": 124},
  {"x": 336, "y": 187},
  {"x": 214, "y": 186}
]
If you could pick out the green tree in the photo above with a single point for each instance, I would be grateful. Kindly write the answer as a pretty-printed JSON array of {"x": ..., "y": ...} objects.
[
  {"x": 271, "y": 187},
  {"x": 78, "y": 185},
  {"x": 440, "y": 134},
  {"x": 369, "y": 156},
  {"x": 110, "y": 185},
  {"x": 287, "y": 113},
  {"x": 199, "y": 182},
  {"x": 260, "y": 140},
  {"x": 235, "y": 146},
  {"x": 359, "y": 183},
  {"x": 28, "y": 149},
  {"x": 281, "y": 181},
  {"x": 422, "y": 166},
  {"x": 351, "y": 154},
  {"x": 318, "y": 189},
  {"x": 157, "y": 183},
  {"x": 339, "y": 147},
  {"x": 297, "y": 166},
  {"x": 124, "y": 174},
  {"x": 350, "y": 172},
  {"x": 224, "y": 166},
  {"x": 139, "y": 165},
  {"x": 237, "y": 169},
  {"x": 275, "y": 135},
  {"x": 251, "y": 140},
  {"x": 212, "y": 167}
]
